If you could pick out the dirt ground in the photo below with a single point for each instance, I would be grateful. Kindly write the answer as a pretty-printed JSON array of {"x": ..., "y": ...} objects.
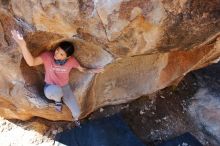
[{"x": 153, "y": 118}]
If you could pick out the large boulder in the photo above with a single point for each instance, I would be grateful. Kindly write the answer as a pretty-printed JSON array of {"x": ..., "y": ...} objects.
[{"x": 143, "y": 45}]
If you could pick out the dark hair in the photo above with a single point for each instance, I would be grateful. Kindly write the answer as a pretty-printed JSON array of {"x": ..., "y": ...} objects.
[{"x": 68, "y": 47}]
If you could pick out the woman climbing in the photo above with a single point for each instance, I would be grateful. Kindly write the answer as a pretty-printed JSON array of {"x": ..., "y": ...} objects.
[{"x": 57, "y": 65}]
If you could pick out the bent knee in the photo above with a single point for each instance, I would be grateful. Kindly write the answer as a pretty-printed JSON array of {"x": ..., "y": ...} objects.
[{"x": 53, "y": 92}]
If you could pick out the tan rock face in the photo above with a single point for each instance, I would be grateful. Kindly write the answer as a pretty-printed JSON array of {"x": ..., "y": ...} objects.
[{"x": 143, "y": 45}]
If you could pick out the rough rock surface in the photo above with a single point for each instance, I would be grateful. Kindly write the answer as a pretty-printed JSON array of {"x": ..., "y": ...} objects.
[
  {"x": 144, "y": 46},
  {"x": 205, "y": 108}
]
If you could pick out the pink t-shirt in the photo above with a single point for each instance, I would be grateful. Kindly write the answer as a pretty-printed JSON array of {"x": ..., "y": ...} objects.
[{"x": 57, "y": 74}]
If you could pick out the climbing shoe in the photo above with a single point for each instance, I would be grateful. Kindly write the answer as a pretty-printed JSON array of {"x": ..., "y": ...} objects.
[{"x": 58, "y": 106}]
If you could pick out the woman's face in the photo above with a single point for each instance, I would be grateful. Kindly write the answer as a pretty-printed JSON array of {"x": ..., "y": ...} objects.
[{"x": 60, "y": 54}]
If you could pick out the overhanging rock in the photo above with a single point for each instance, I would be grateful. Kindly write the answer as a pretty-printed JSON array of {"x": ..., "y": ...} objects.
[{"x": 143, "y": 45}]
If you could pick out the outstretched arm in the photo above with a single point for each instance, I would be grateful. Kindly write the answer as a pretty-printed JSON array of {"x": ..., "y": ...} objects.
[
  {"x": 94, "y": 70},
  {"x": 31, "y": 61}
]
